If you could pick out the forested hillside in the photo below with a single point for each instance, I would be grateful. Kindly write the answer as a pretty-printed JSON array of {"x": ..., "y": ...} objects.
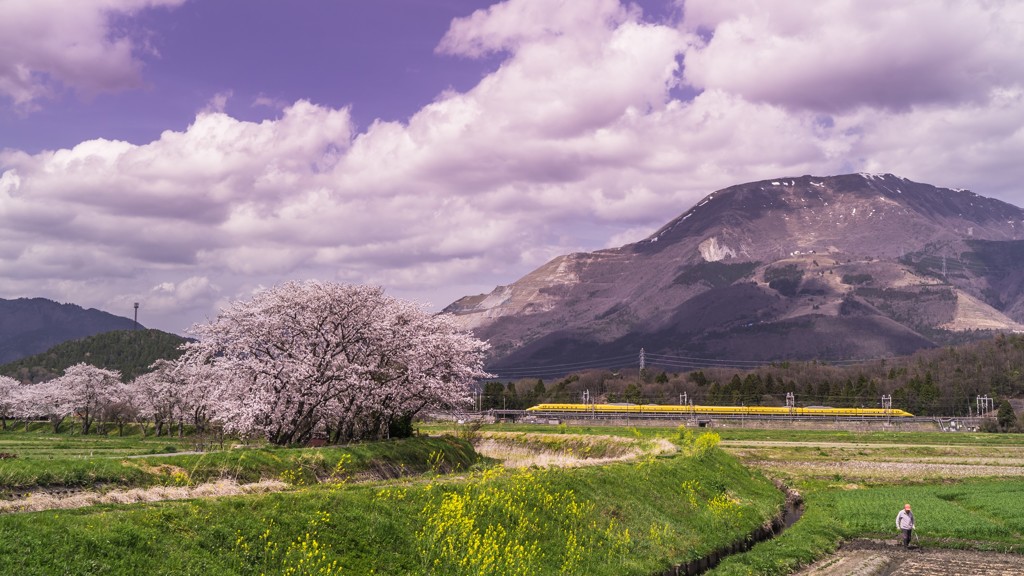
[
  {"x": 129, "y": 351},
  {"x": 34, "y": 325},
  {"x": 943, "y": 381}
]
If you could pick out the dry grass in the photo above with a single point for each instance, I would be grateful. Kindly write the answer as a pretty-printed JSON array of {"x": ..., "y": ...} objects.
[
  {"x": 883, "y": 471},
  {"x": 525, "y": 449},
  {"x": 43, "y": 501}
]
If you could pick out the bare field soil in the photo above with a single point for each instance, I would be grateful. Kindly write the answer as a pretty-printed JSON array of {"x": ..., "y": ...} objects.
[
  {"x": 884, "y": 558},
  {"x": 871, "y": 462}
]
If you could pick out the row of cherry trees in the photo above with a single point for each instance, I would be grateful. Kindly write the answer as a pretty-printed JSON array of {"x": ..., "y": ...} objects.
[
  {"x": 167, "y": 396},
  {"x": 299, "y": 360},
  {"x": 85, "y": 391}
]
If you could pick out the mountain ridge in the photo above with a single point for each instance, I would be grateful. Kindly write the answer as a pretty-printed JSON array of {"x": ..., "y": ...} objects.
[
  {"x": 829, "y": 267},
  {"x": 34, "y": 325}
]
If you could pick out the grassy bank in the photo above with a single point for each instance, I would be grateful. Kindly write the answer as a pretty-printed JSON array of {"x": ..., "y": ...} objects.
[
  {"x": 628, "y": 518},
  {"x": 41, "y": 463}
]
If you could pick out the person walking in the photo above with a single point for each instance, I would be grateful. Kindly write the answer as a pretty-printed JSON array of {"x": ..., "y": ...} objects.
[{"x": 905, "y": 523}]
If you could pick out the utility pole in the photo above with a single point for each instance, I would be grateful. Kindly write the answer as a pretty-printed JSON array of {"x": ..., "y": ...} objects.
[
  {"x": 887, "y": 406},
  {"x": 136, "y": 326},
  {"x": 643, "y": 364}
]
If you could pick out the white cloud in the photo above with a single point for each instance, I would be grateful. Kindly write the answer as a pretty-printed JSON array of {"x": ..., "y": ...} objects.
[
  {"x": 575, "y": 142},
  {"x": 509, "y": 26},
  {"x": 218, "y": 103},
  {"x": 49, "y": 44},
  {"x": 839, "y": 55}
]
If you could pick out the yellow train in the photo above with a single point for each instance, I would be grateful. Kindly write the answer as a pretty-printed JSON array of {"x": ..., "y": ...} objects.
[{"x": 724, "y": 411}]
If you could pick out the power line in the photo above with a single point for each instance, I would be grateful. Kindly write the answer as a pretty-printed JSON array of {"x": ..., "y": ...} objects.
[
  {"x": 691, "y": 362},
  {"x": 653, "y": 359},
  {"x": 555, "y": 370}
]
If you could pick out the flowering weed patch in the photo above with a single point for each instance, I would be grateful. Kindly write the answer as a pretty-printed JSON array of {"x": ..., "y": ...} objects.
[
  {"x": 495, "y": 524},
  {"x": 304, "y": 555}
]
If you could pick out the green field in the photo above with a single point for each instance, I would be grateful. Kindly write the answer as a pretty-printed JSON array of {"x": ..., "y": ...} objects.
[
  {"x": 59, "y": 461},
  {"x": 591, "y": 520},
  {"x": 432, "y": 506}
]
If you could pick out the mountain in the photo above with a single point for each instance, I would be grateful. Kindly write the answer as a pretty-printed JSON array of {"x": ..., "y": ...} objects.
[
  {"x": 34, "y": 325},
  {"x": 832, "y": 268},
  {"x": 130, "y": 352}
]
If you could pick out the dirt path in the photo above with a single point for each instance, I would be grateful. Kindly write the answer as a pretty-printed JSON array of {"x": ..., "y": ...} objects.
[
  {"x": 881, "y": 558},
  {"x": 42, "y": 500}
]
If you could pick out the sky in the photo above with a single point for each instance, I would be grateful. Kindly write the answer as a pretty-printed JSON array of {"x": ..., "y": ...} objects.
[{"x": 185, "y": 153}]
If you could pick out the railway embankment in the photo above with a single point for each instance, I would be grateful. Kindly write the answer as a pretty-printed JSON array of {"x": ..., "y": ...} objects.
[{"x": 850, "y": 425}]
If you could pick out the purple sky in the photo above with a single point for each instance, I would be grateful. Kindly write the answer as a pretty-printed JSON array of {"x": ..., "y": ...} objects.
[{"x": 183, "y": 153}]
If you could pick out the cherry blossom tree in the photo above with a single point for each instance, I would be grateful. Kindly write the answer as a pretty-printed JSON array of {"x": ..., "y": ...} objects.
[
  {"x": 309, "y": 358},
  {"x": 158, "y": 395},
  {"x": 43, "y": 399},
  {"x": 8, "y": 389},
  {"x": 198, "y": 403},
  {"x": 84, "y": 390}
]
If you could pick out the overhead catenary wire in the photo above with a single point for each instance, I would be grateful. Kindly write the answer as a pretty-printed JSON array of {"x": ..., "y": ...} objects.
[
  {"x": 653, "y": 360},
  {"x": 554, "y": 370}
]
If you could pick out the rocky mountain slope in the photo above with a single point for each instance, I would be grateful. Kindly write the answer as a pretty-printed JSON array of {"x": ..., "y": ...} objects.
[
  {"x": 33, "y": 325},
  {"x": 840, "y": 267}
]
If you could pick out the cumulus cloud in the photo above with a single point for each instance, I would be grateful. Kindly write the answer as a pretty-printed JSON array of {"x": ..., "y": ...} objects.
[
  {"x": 838, "y": 55},
  {"x": 509, "y": 26},
  {"x": 576, "y": 141},
  {"x": 49, "y": 44}
]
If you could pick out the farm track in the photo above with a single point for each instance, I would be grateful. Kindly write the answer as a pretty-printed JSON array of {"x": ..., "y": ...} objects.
[
  {"x": 881, "y": 558},
  {"x": 67, "y": 499}
]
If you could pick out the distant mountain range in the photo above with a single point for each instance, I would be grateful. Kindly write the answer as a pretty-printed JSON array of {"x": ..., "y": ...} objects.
[
  {"x": 33, "y": 325},
  {"x": 831, "y": 268},
  {"x": 130, "y": 352}
]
